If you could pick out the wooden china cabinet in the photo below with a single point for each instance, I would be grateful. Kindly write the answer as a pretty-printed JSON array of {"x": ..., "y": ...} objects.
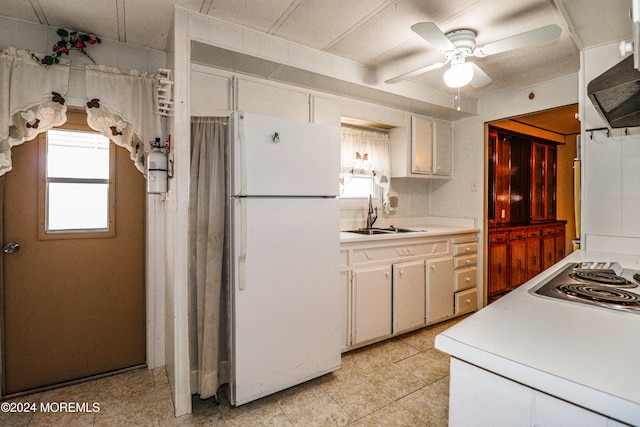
[{"x": 524, "y": 235}]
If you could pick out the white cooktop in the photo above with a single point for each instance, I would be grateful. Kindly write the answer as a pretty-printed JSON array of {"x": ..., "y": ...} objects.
[{"x": 583, "y": 354}]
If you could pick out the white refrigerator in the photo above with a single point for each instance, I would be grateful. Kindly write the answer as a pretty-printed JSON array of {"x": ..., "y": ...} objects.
[{"x": 285, "y": 245}]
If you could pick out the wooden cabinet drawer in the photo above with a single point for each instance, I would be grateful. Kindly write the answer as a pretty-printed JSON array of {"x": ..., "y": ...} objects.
[
  {"x": 465, "y": 248},
  {"x": 466, "y": 301},
  {"x": 465, "y": 261},
  {"x": 517, "y": 235},
  {"x": 368, "y": 255},
  {"x": 465, "y": 279},
  {"x": 548, "y": 231},
  {"x": 533, "y": 233},
  {"x": 497, "y": 237}
]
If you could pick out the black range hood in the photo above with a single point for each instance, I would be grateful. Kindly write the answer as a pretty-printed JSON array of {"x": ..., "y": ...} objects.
[{"x": 616, "y": 94}]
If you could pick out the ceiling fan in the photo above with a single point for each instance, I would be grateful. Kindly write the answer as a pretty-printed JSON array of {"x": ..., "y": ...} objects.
[{"x": 458, "y": 45}]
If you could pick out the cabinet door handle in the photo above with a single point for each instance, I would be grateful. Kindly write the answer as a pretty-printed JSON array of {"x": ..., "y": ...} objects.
[
  {"x": 468, "y": 280},
  {"x": 550, "y": 256},
  {"x": 433, "y": 268},
  {"x": 401, "y": 272},
  {"x": 499, "y": 268},
  {"x": 468, "y": 262},
  {"x": 386, "y": 274},
  {"x": 519, "y": 263},
  {"x": 535, "y": 260}
]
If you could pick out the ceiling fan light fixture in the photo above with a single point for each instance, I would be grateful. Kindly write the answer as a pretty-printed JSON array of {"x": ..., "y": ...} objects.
[{"x": 458, "y": 75}]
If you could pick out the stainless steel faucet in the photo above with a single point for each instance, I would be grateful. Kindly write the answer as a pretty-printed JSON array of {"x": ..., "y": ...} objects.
[{"x": 372, "y": 214}]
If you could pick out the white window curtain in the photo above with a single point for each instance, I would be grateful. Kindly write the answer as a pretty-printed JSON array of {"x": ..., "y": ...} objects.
[
  {"x": 208, "y": 312},
  {"x": 366, "y": 153},
  {"x": 122, "y": 107},
  {"x": 31, "y": 100}
]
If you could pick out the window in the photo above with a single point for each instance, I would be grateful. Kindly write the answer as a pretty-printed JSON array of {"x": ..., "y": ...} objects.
[
  {"x": 76, "y": 191},
  {"x": 365, "y": 163}
]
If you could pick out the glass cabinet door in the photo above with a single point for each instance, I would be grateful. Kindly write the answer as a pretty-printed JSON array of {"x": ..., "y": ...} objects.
[{"x": 543, "y": 182}]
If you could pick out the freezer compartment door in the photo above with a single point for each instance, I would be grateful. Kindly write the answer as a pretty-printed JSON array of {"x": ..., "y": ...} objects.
[
  {"x": 274, "y": 156},
  {"x": 286, "y": 294}
]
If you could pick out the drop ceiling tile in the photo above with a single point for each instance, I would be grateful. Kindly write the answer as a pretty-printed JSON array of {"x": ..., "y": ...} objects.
[
  {"x": 316, "y": 23},
  {"x": 260, "y": 15},
  {"x": 87, "y": 17},
  {"x": 20, "y": 10},
  {"x": 599, "y": 22}
]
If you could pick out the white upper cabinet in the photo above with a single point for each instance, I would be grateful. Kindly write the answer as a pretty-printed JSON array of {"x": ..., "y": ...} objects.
[
  {"x": 210, "y": 93},
  {"x": 272, "y": 100},
  {"x": 442, "y": 150},
  {"x": 422, "y": 150},
  {"x": 421, "y": 145}
]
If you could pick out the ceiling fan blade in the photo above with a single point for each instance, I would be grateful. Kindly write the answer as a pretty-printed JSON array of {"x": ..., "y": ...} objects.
[
  {"x": 417, "y": 72},
  {"x": 480, "y": 78},
  {"x": 431, "y": 33},
  {"x": 529, "y": 38}
]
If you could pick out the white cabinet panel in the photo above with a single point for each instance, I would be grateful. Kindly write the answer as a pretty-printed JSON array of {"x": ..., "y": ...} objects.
[
  {"x": 345, "y": 305},
  {"x": 259, "y": 98},
  {"x": 421, "y": 145},
  {"x": 326, "y": 111},
  {"x": 372, "y": 303},
  {"x": 210, "y": 94},
  {"x": 439, "y": 288},
  {"x": 408, "y": 296},
  {"x": 442, "y": 149}
]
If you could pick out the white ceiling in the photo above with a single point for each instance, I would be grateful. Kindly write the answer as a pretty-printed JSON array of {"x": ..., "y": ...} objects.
[{"x": 373, "y": 32}]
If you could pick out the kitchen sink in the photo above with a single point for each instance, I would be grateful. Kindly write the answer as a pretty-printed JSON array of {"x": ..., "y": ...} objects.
[{"x": 389, "y": 230}]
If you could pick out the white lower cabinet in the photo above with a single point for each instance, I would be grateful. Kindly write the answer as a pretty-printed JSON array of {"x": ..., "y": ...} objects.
[
  {"x": 439, "y": 288},
  {"x": 396, "y": 286},
  {"x": 408, "y": 296},
  {"x": 371, "y": 303}
]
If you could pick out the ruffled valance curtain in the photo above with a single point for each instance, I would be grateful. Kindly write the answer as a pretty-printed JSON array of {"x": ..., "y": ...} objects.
[
  {"x": 122, "y": 107},
  {"x": 366, "y": 153},
  {"x": 31, "y": 100}
]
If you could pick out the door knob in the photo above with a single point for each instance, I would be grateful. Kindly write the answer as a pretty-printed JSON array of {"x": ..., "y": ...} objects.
[{"x": 11, "y": 247}]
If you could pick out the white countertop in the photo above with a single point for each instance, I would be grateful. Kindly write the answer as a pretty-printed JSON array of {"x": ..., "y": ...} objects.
[
  {"x": 430, "y": 230},
  {"x": 584, "y": 354}
]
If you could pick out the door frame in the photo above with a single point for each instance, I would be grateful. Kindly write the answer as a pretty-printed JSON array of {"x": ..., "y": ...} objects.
[{"x": 155, "y": 248}]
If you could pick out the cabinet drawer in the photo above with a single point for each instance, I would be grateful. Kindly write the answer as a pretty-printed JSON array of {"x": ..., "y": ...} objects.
[
  {"x": 465, "y": 248},
  {"x": 370, "y": 255},
  {"x": 533, "y": 233},
  {"x": 497, "y": 237},
  {"x": 517, "y": 235},
  {"x": 548, "y": 231},
  {"x": 465, "y": 261},
  {"x": 465, "y": 279},
  {"x": 466, "y": 301}
]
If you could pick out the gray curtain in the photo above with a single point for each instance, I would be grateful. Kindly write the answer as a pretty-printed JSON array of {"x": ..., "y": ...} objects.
[{"x": 208, "y": 312}]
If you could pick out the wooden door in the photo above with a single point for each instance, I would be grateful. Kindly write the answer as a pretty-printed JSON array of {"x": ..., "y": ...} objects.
[
  {"x": 372, "y": 303},
  {"x": 498, "y": 272},
  {"x": 74, "y": 303},
  {"x": 548, "y": 248},
  {"x": 518, "y": 259},
  {"x": 439, "y": 273},
  {"x": 533, "y": 253},
  {"x": 408, "y": 296}
]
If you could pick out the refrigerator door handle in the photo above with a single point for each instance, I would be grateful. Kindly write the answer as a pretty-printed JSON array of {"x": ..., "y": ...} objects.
[
  {"x": 242, "y": 256},
  {"x": 242, "y": 150}
]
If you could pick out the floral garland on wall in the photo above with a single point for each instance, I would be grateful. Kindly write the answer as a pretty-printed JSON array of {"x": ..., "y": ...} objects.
[{"x": 69, "y": 40}]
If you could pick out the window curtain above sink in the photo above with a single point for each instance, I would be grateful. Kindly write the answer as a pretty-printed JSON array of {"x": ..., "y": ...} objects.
[{"x": 366, "y": 153}]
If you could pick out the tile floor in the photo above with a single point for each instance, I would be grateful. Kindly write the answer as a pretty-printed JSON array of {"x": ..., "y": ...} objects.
[{"x": 400, "y": 382}]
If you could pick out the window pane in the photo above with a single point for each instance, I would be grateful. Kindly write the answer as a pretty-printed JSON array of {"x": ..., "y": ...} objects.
[
  {"x": 77, "y": 155},
  {"x": 359, "y": 187},
  {"x": 78, "y": 206}
]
